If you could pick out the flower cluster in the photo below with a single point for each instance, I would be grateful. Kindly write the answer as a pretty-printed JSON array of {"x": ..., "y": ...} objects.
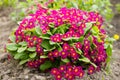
[
  {"x": 68, "y": 72},
  {"x": 65, "y": 41}
]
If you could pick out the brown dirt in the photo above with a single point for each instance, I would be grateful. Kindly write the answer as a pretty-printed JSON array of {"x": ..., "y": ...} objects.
[{"x": 10, "y": 70}]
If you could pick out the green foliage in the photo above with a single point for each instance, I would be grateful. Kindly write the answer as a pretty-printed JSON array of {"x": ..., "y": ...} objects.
[
  {"x": 32, "y": 55},
  {"x": 11, "y": 47},
  {"x": 45, "y": 44},
  {"x": 46, "y": 65},
  {"x": 23, "y": 61},
  {"x": 86, "y": 60},
  {"x": 118, "y": 7},
  {"x": 24, "y": 8},
  {"x": 21, "y": 49},
  {"x": 31, "y": 49},
  {"x": 65, "y": 60},
  {"x": 6, "y": 3},
  {"x": 87, "y": 29}
]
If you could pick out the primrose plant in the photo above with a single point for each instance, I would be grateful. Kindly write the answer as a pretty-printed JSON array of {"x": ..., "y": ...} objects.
[{"x": 65, "y": 42}]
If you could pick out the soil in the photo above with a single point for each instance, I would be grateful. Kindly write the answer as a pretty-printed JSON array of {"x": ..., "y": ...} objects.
[{"x": 10, "y": 70}]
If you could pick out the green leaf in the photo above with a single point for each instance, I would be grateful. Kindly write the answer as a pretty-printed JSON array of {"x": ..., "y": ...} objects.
[
  {"x": 52, "y": 43},
  {"x": 23, "y": 61},
  {"x": 98, "y": 38},
  {"x": 18, "y": 55},
  {"x": 81, "y": 39},
  {"x": 32, "y": 55},
  {"x": 74, "y": 39},
  {"x": 70, "y": 38},
  {"x": 79, "y": 51},
  {"x": 59, "y": 47},
  {"x": 43, "y": 56},
  {"x": 95, "y": 30},
  {"x": 74, "y": 4},
  {"x": 87, "y": 29},
  {"x": 24, "y": 56},
  {"x": 91, "y": 39},
  {"x": 31, "y": 49},
  {"x": 93, "y": 64},
  {"x": 12, "y": 38},
  {"x": 84, "y": 59},
  {"x": 54, "y": 30},
  {"x": 61, "y": 29},
  {"x": 51, "y": 25},
  {"x": 38, "y": 30},
  {"x": 21, "y": 49},
  {"x": 48, "y": 32},
  {"x": 94, "y": 7},
  {"x": 23, "y": 43},
  {"x": 106, "y": 45},
  {"x": 46, "y": 65},
  {"x": 109, "y": 40},
  {"x": 45, "y": 44},
  {"x": 11, "y": 47},
  {"x": 50, "y": 49},
  {"x": 66, "y": 60},
  {"x": 45, "y": 36},
  {"x": 109, "y": 51}
]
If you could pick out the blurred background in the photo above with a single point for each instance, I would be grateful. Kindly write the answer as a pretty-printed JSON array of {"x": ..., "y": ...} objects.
[{"x": 12, "y": 11}]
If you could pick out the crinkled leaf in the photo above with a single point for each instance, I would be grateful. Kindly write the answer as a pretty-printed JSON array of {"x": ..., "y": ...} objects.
[
  {"x": 45, "y": 44},
  {"x": 23, "y": 61},
  {"x": 21, "y": 49},
  {"x": 98, "y": 38},
  {"x": 54, "y": 30},
  {"x": 93, "y": 64},
  {"x": 50, "y": 49},
  {"x": 81, "y": 39},
  {"x": 70, "y": 38},
  {"x": 87, "y": 29},
  {"x": 59, "y": 47},
  {"x": 11, "y": 47},
  {"x": 12, "y": 38},
  {"x": 19, "y": 55},
  {"x": 23, "y": 43},
  {"x": 31, "y": 49},
  {"x": 106, "y": 45},
  {"x": 84, "y": 59},
  {"x": 90, "y": 39},
  {"x": 32, "y": 55},
  {"x": 24, "y": 56},
  {"x": 52, "y": 43},
  {"x": 61, "y": 29},
  {"x": 109, "y": 51},
  {"x": 109, "y": 40},
  {"x": 79, "y": 51},
  {"x": 51, "y": 25},
  {"x": 45, "y": 36},
  {"x": 46, "y": 65},
  {"x": 43, "y": 56},
  {"x": 95, "y": 30},
  {"x": 66, "y": 60},
  {"x": 48, "y": 32},
  {"x": 38, "y": 30}
]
